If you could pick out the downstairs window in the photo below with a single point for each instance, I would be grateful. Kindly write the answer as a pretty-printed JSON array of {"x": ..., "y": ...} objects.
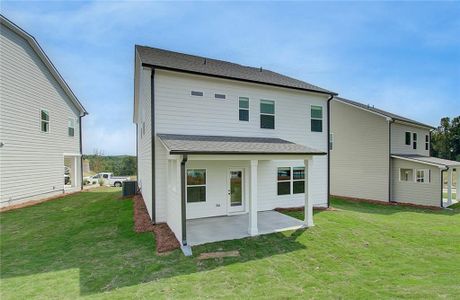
[{"x": 196, "y": 185}]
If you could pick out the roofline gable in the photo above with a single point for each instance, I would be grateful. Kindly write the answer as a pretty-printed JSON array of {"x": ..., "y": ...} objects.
[
  {"x": 388, "y": 116},
  {"x": 45, "y": 59}
]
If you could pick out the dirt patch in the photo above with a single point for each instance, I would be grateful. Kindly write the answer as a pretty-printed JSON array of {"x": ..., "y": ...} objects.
[
  {"x": 165, "y": 239},
  {"x": 388, "y": 203},
  {"x": 209, "y": 255},
  {"x": 35, "y": 202}
]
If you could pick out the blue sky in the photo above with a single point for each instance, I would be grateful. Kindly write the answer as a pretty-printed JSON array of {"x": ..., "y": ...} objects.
[{"x": 401, "y": 57}]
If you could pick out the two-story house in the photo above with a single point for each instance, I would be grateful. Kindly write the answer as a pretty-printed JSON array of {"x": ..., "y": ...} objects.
[
  {"x": 220, "y": 145},
  {"x": 40, "y": 122},
  {"x": 377, "y": 155}
]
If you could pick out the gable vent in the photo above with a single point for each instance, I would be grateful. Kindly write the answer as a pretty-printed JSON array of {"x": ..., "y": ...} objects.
[
  {"x": 219, "y": 96},
  {"x": 196, "y": 93}
]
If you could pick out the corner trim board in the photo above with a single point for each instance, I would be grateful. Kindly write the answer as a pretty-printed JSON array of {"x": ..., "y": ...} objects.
[{"x": 152, "y": 142}]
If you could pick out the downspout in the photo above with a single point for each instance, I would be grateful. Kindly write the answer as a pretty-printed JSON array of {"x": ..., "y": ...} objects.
[
  {"x": 183, "y": 199},
  {"x": 137, "y": 152},
  {"x": 329, "y": 150},
  {"x": 152, "y": 142},
  {"x": 442, "y": 185},
  {"x": 390, "y": 121}
]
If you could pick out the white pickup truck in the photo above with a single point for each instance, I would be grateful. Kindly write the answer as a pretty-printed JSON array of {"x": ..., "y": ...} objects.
[{"x": 109, "y": 179}]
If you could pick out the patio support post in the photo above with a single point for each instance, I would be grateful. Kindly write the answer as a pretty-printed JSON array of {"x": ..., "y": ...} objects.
[
  {"x": 253, "y": 230},
  {"x": 449, "y": 187},
  {"x": 457, "y": 171},
  {"x": 308, "y": 208}
]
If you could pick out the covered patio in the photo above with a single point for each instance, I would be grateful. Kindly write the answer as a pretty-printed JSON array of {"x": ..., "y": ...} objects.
[
  {"x": 214, "y": 229},
  {"x": 223, "y": 223}
]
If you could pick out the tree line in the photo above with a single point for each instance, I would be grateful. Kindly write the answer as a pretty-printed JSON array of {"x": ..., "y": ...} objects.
[
  {"x": 445, "y": 139},
  {"x": 119, "y": 165}
]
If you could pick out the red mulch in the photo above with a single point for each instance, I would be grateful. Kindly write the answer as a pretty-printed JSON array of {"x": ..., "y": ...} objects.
[
  {"x": 165, "y": 239},
  {"x": 358, "y": 200}
]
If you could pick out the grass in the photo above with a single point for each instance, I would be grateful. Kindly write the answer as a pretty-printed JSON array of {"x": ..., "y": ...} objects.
[
  {"x": 444, "y": 195},
  {"x": 83, "y": 245}
]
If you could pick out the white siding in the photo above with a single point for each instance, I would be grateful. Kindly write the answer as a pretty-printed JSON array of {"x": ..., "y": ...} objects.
[
  {"x": 31, "y": 162},
  {"x": 177, "y": 112},
  {"x": 360, "y": 155},
  {"x": 416, "y": 192},
  {"x": 398, "y": 139},
  {"x": 144, "y": 140}
]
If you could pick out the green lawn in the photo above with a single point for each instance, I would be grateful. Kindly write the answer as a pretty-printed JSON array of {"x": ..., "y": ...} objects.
[{"x": 83, "y": 245}]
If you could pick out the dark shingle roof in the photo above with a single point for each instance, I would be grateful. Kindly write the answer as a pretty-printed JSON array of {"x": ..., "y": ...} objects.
[
  {"x": 382, "y": 112},
  {"x": 213, "y": 67},
  {"x": 199, "y": 144},
  {"x": 429, "y": 160}
]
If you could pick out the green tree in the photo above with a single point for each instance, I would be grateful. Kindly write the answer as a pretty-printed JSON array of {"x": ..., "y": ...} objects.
[{"x": 446, "y": 139}]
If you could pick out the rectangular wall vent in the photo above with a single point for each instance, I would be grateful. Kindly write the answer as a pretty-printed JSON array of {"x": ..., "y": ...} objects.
[
  {"x": 196, "y": 93},
  {"x": 219, "y": 96}
]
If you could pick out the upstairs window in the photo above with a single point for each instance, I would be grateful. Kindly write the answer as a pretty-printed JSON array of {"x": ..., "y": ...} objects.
[
  {"x": 196, "y": 185},
  {"x": 44, "y": 120},
  {"x": 71, "y": 127},
  {"x": 316, "y": 114},
  {"x": 427, "y": 142},
  {"x": 414, "y": 140},
  {"x": 243, "y": 108},
  {"x": 267, "y": 114},
  {"x": 408, "y": 138}
]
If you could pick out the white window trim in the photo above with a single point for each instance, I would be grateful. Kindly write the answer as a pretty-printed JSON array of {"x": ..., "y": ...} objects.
[
  {"x": 40, "y": 120},
  {"x": 410, "y": 139},
  {"x": 413, "y": 174},
  {"x": 239, "y": 108},
  {"x": 195, "y": 185},
  {"x": 74, "y": 125},
  {"x": 426, "y": 176},
  {"x": 266, "y": 114},
  {"x": 291, "y": 181},
  {"x": 321, "y": 119}
]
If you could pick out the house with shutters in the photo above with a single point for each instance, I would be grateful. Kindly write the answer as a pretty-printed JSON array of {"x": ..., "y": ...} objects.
[
  {"x": 221, "y": 145},
  {"x": 378, "y": 155},
  {"x": 40, "y": 122}
]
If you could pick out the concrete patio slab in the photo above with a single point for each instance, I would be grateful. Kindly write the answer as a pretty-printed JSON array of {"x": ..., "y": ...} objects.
[{"x": 223, "y": 228}]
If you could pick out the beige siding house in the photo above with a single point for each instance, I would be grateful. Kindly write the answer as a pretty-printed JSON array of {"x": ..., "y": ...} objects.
[
  {"x": 40, "y": 122},
  {"x": 377, "y": 155}
]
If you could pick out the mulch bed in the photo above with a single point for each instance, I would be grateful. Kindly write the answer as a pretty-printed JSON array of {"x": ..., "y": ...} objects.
[{"x": 165, "y": 239}]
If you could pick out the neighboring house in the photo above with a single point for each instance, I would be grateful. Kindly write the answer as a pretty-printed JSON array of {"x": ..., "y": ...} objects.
[
  {"x": 377, "y": 155},
  {"x": 40, "y": 122},
  {"x": 218, "y": 139}
]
